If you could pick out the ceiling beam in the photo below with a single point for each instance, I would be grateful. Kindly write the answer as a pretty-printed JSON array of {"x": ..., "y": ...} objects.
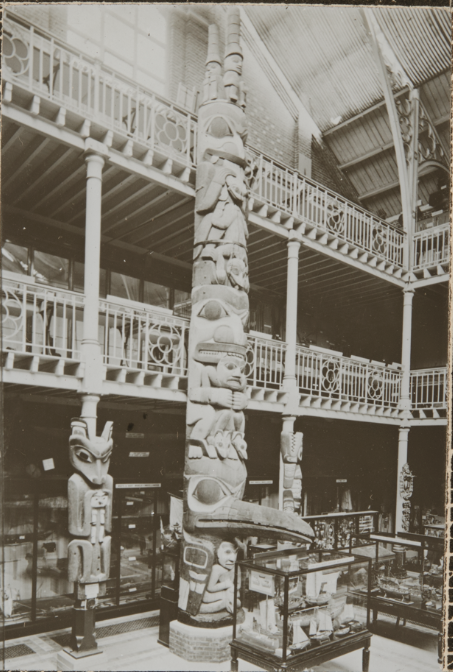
[
  {"x": 44, "y": 172},
  {"x": 364, "y": 157},
  {"x": 75, "y": 197},
  {"x": 31, "y": 152},
  {"x": 70, "y": 178},
  {"x": 133, "y": 226},
  {"x": 12, "y": 138},
  {"x": 380, "y": 190}
]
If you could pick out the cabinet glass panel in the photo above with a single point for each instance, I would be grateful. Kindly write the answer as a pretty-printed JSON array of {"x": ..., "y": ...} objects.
[
  {"x": 290, "y": 602},
  {"x": 17, "y": 540},
  {"x": 54, "y": 593},
  {"x": 136, "y": 545}
]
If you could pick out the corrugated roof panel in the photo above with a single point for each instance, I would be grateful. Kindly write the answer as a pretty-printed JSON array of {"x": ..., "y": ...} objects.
[
  {"x": 436, "y": 96},
  {"x": 325, "y": 54},
  {"x": 374, "y": 173},
  {"x": 389, "y": 203},
  {"x": 420, "y": 38}
]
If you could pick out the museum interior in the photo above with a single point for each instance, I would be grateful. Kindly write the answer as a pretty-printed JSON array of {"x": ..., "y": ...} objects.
[{"x": 321, "y": 161}]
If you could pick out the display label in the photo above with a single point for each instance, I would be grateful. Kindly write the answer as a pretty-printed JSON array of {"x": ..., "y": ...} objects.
[
  {"x": 131, "y": 526},
  {"x": 138, "y": 454},
  {"x": 128, "y": 486},
  {"x": 48, "y": 465},
  {"x": 132, "y": 558},
  {"x": 341, "y": 480},
  {"x": 261, "y": 482},
  {"x": 132, "y": 590},
  {"x": 134, "y": 435},
  {"x": 262, "y": 583}
]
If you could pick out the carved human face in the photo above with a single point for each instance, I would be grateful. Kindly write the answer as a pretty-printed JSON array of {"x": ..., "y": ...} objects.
[
  {"x": 216, "y": 330},
  {"x": 214, "y": 69},
  {"x": 234, "y": 63},
  {"x": 230, "y": 375},
  {"x": 227, "y": 554},
  {"x": 90, "y": 457}
]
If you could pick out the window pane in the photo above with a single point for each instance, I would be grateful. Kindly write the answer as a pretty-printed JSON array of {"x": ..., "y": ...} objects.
[
  {"x": 15, "y": 258},
  {"x": 51, "y": 270},
  {"x": 153, "y": 55},
  {"x": 183, "y": 303},
  {"x": 156, "y": 295},
  {"x": 125, "y": 286},
  {"x": 86, "y": 20},
  {"x": 152, "y": 22},
  {"x": 119, "y": 38}
]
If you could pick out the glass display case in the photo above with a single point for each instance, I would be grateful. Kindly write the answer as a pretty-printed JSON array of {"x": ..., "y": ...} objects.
[
  {"x": 35, "y": 539},
  {"x": 342, "y": 530},
  {"x": 406, "y": 578},
  {"x": 297, "y": 608}
]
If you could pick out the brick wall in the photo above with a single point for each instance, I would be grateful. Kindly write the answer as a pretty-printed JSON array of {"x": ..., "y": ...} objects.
[
  {"x": 38, "y": 15},
  {"x": 200, "y": 645},
  {"x": 325, "y": 170}
]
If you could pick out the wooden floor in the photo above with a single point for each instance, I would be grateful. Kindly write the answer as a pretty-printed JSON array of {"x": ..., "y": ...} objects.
[{"x": 402, "y": 649}]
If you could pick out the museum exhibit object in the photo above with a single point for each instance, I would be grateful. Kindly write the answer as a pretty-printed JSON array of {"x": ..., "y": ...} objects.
[
  {"x": 296, "y": 609},
  {"x": 216, "y": 452},
  {"x": 90, "y": 493},
  {"x": 407, "y": 578}
]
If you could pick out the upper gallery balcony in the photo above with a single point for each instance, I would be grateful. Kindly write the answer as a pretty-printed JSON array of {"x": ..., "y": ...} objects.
[
  {"x": 144, "y": 350},
  {"x": 71, "y": 97}
]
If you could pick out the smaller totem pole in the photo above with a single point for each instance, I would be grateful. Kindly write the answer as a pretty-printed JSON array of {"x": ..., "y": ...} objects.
[
  {"x": 406, "y": 489},
  {"x": 291, "y": 452},
  {"x": 90, "y": 492}
]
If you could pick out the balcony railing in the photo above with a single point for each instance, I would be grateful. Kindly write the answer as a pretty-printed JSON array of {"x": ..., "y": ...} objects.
[
  {"x": 316, "y": 205},
  {"x": 266, "y": 361},
  {"x": 41, "y": 320},
  {"x": 336, "y": 378},
  {"x": 143, "y": 338},
  {"x": 429, "y": 389},
  {"x": 431, "y": 247},
  {"x": 44, "y": 66}
]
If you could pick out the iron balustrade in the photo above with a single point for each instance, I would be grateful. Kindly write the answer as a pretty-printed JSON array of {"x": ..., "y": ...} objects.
[
  {"x": 431, "y": 247},
  {"x": 344, "y": 379},
  {"x": 50, "y": 69},
  {"x": 44, "y": 66},
  {"x": 143, "y": 338},
  {"x": 41, "y": 320},
  {"x": 428, "y": 388},
  {"x": 303, "y": 198},
  {"x": 265, "y": 362}
]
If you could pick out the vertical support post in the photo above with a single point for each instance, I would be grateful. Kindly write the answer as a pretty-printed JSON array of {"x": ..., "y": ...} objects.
[
  {"x": 289, "y": 378},
  {"x": 403, "y": 438},
  {"x": 405, "y": 401},
  {"x": 90, "y": 346},
  {"x": 414, "y": 98}
]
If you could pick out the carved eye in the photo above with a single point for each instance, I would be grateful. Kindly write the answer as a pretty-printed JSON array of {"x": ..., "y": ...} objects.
[
  {"x": 231, "y": 366},
  {"x": 84, "y": 456},
  {"x": 212, "y": 310},
  {"x": 219, "y": 128},
  {"x": 106, "y": 458}
]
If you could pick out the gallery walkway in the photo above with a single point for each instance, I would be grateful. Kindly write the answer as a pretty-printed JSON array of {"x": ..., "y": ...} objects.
[{"x": 131, "y": 644}]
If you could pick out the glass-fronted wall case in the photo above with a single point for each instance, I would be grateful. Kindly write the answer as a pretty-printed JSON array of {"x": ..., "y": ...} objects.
[
  {"x": 295, "y": 606},
  {"x": 35, "y": 539}
]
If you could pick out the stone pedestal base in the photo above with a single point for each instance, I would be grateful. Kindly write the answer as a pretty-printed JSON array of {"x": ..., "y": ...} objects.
[
  {"x": 201, "y": 645},
  {"x": 94, "y": 662}
]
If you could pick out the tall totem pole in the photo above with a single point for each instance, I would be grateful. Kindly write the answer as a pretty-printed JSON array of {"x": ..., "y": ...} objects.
[{"x": 215, "y": 517}]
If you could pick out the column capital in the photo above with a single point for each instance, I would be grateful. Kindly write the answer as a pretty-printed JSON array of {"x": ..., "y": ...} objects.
[
  {"x": 94, "y": 148},
  {"x": 294, "y": 237},
  {"x": 408, "y": 289}
]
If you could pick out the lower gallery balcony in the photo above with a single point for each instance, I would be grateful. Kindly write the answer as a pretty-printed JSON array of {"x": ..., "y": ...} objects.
[{"x": 144, "y": 351}]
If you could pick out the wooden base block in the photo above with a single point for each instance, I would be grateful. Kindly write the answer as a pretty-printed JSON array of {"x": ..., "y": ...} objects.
[{"x": 94, "y": 662}]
